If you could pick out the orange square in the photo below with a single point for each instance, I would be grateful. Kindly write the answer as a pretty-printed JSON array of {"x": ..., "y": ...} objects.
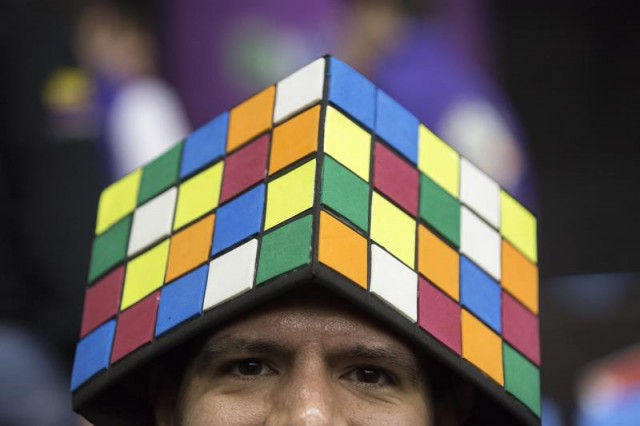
[
  {"x": 482, "y": 347},
  {"x": 520, "y": 277},
  {"x": 294, "y": 139},
  {"x": 342, "y": 249},
  {"x": 250, "y": 118},
  {"x": 189, "y": 248},
  {"x": 439, "y": 262}
]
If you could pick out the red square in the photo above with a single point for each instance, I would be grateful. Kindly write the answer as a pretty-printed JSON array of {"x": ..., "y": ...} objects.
[
  {"x": 135, "y": 327},
  {"x": 244, "y": 168},
  {"x": 396, "y": 178},
  {"x": 439, "y": 315},
  {"x": 520, "y": 328},
  {"x": 101, "y": 301}
]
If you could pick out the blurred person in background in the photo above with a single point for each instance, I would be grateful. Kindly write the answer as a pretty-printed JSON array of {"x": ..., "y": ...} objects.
[{"x": 139, "y": 114}]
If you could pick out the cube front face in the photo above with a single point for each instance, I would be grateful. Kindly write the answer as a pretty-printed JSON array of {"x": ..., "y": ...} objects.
[{"x": 325, "y": 172}]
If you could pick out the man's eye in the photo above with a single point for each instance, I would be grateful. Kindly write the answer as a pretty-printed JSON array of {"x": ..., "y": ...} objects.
[
  {"x": 250, "y": 367},
  {"x": 370, "y": 376}
]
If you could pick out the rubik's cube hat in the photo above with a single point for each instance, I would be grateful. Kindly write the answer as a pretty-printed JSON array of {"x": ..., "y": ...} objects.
[{"x": 319, "y": 178}]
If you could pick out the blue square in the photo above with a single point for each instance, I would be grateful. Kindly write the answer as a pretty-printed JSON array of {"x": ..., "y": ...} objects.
[
  {"x": 480, "y": 294},
  {"x": 205, "y": 145},
  {"x": 238, "y": 219},
  {"x": 397, "y": 126},
  {"x": 92, "y": 354},
  {"x": 182, "y": 300},
  {"x": 352, "y": 93}
]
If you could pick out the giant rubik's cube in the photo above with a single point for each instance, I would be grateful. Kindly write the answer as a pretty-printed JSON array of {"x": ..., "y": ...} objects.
[{"x": 321, "y": 177}]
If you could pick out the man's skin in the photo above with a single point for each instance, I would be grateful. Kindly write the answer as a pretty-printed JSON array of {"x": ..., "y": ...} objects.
[{"x": 302, "y": 360}]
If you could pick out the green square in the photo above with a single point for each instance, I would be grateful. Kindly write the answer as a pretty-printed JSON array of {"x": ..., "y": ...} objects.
[
  {"x": 285, "y": 249},
  {"x": 440, "y": 210},
  {"x": 345, "y": 193},
  {"x": 522, "y": 379},
  {"x": 160, "y": 174},
  {"x": 109, "y": 249}
]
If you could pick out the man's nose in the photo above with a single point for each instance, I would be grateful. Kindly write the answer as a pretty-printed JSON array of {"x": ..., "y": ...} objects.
[{"x": 306, "y": 397}]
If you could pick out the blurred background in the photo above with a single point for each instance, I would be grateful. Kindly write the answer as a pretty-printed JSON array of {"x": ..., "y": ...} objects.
[{"x": 541, "y": 95}]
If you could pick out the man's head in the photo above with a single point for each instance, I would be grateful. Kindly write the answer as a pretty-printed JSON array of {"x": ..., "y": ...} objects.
[
  {"x": 320, "y": 181},
  {"x": 309, "y": 358}
]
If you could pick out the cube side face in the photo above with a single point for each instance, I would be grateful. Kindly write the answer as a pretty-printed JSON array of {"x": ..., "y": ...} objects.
[{"x": 336, "y": 184}]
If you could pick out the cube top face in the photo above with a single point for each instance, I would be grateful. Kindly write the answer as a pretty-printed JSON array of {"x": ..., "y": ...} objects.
[{"x": 321, "y": 176}]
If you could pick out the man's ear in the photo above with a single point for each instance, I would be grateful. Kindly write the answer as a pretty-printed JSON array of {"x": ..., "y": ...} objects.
[
  {"x": 165, "y": 409},
  {"x": 454, "y": 407}
]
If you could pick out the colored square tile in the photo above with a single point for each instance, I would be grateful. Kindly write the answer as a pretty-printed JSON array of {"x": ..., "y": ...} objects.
[
  {"x": 190, "y": 247},
  {"x": 480, "y": 242},
  {"x": 109, "y": 249},
  {"x": 393, "y": 229},
  {"x": 352, "y": 92},
  {"x": 117, "y": 201},
  {"x": 397, "y": 126},
  {"x": 440, "y": 210},
  {"x": 482, "y": 347},
  {"x": 301, "y": 89},
  {"x": 145, "y": 274},
  {"x": 181, "y": 300},
  {"x": 152, "y": 221},
  {"x": 198, "y": 195},
  {"x": 439, "y": 161},
  {"x": 231, "y": 274},
  {"x": 342, "y": 249},
  {"x": 520, "y": 328},
  {"x": 239, "y": 219},
  {"x": 439, "y": 316},
  {"x": 522, "y": 379},
  {"x": 101, "y": 301},
  {"x": 519, "y": 277},
  {"x": 479, "y": 192},
  {"x": 438, "y": 262},
  {"x": 290, "y": 194},
  {"x": 250, "y": 118},
  {"x": 345, "y": 193},
  {"x": 92, "y": 354},
  {"x": 135, "y": 327},
  {"x": 395, "y": 178},
  {"x": 394, "y": 282},
  {"x": 347, "y": 142},
  {"x": 519, "y": 226},
  {"x": 205, "y": 145},
  {"x": 480, "y": 294},
  {"x": 244, "y": 168},
  {"x": 294, "y": 139},
  {"x": 160, "y": 174},
  {"x": 285, "y": 249}
]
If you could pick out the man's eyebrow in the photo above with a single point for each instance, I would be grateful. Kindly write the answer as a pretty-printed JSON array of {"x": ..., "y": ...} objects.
[
  {"x": 384, "y": 355},
  {"x": 225, "y": 345}
]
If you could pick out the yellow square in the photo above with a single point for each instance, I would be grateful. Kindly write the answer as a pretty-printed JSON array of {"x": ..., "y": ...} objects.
[
  {"x": 144, "y": 274},
  {"x": 348, "y": 143},
  {"x": 439, "y": 161},
  {"x": 198, "y": 195},
  {"x": 290, "y": 194},
  {"x": 482, "y": 347},
  {"x": 118, "y": 200},
  {"x": 518, "y": 226},
  {"x": 393, "y": 229}
]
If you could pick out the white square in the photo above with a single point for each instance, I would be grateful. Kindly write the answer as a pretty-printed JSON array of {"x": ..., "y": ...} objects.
[
  {"x": 299, "y": 90},
  {"x": 394, "y": 282},
  {"x": 480, "y": 192},
  {"x": 480, "y": 242},
  {"x": 152, "y": 221},
  {"x": 231, "y": 274}
]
